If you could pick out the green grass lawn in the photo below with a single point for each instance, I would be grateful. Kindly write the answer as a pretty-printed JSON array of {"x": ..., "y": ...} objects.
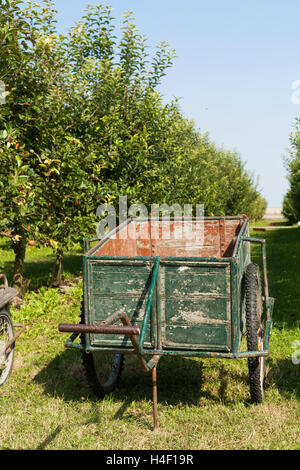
[{"x": 203, "y": 404}]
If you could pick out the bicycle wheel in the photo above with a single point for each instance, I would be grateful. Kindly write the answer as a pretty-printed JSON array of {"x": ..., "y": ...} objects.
[{"x": 6, "y": 334}]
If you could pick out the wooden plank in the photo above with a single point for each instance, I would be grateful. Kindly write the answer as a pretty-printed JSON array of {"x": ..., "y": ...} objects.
[
  {"x": 195, "y": 311},
  {"x": 158, "y": 238},
  {"x": 115, "y": 286},
  {"x": 117, "y": 247},
  {"x": 194, "y": 281},
  {"x": 195, "y": 299},
  {"x": 134, "y": 307},
  {"x": 209, "y": 337}
]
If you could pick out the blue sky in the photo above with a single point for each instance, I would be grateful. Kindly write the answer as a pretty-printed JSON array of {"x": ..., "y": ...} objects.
[{"x": 236, "y": 64}]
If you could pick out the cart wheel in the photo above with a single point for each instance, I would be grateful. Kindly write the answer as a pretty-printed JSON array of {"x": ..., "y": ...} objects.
[
  {"x": 102, "y": 369},
  {"x": 255, "y": 332},
  {"x": 6, "y": 334}
]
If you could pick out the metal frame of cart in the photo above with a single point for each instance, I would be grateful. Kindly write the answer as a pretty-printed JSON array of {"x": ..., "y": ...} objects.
[{"x": 196, "y": 306}]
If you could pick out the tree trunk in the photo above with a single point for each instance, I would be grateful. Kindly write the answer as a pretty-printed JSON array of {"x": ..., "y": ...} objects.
[
  {"x": 57, "y": 269},
  {"x": 19, "y": 248}
]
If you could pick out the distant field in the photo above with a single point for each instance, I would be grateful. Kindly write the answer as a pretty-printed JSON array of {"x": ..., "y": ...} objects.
[{"x": 203, "y": 404}]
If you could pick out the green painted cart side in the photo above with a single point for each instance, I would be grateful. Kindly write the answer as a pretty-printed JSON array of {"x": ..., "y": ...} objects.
[{"x": 181, "y": 304}]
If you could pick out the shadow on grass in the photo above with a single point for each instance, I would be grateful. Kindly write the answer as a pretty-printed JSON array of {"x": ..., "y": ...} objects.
[
  {"x": 64, "y": 377},
  {"x": 285, "y": 376},
  {"x": 94, "y": 418},
  {"x": 39, "y": 272},
  {"x": 43, "y": 445},
  {"x": 180, "y": 381}
]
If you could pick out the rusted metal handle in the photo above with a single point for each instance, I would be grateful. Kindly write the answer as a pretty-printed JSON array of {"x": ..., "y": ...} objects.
[
  {"x": 8, "y": 347},
  {"x": 154, "y": 392},
  {"x": 107, "y": 328},
  {"x": 98, "y": 329}
]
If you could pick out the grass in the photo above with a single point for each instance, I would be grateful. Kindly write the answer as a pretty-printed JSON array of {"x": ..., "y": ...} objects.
[
  {"x": 203, "y": 404},
  {"x": 39, "y": 264}
]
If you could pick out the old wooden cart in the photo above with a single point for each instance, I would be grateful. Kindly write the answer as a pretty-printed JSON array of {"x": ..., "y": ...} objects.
[
  {"x": 174, "y": 296},
  {"x": 8, "y": 335}
]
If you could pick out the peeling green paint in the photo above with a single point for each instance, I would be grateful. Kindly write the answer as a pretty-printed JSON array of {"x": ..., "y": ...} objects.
[{"x": 196, "y": 305}]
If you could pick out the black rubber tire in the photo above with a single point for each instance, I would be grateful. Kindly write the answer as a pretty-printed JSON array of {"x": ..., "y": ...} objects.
[
  {"x": 254, "y": 332},
  {"x": 6, "y": 334},
  {"x": 102, "y": 370}
]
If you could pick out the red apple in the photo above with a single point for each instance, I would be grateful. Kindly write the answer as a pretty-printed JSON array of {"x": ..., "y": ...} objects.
[{"x": 31, "y": 243}]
